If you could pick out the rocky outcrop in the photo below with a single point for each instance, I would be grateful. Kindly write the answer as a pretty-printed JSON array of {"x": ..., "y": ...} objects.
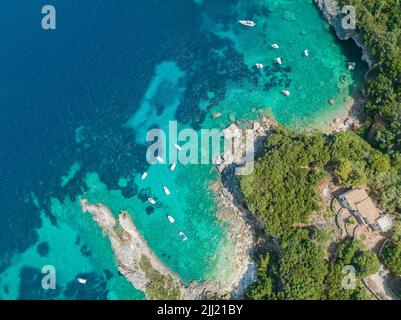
[
  {"x": 140, "y": 265},
  {"x": 242, "y": 225},
  {"x": 130, "y": 248},
  {"x": 332, "y": 12},
  {"x": 253, "y": 141}
]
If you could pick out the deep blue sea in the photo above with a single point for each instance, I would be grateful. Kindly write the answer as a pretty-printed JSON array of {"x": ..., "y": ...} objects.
[{"x": 76, "y": 101}]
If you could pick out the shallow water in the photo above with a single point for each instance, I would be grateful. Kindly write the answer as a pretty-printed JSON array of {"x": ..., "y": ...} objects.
[{"x": 77, "y": 103}]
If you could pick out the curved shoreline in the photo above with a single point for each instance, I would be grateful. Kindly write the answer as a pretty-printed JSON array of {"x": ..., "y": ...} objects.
[
  {"x": 331, "y": 12},
  {"x": 231, "y": 279},
  {"x": 137, "y": 262},
  {"x": 235, "y": 269}
]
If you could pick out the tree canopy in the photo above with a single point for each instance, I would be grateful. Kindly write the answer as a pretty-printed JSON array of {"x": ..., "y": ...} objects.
[
  {"x": 379, "y": 24},
  {"x": 281, "y": 189}
]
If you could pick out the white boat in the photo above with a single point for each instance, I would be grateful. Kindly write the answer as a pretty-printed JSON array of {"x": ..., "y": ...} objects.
[
  {"x": 144, "y": 175},
  {"x": 170, "y": 218},
  {"x": 183, "y": 236},
  {"x": 177, "y": 147},
  {"x": 275, "y": 46},
  {"x": 166, "y": 190},
  {"x": 247, "y": 23},
  {"x": 351, "y": 65},
  {"x": 306, "y": 53},
  {"x": 173, "y": 167},
  {"x": 279, "y": 60},
  {"x": 151, "y": 201},
  {"x": 259, "y": 66},
  {"x": 158, "y": 158},
  {"x": 285, "y": 92},
  {"x": 81, "y": 280},
  {"x": 216, "y": 115}
]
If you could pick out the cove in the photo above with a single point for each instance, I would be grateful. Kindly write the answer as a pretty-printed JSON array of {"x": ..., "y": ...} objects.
[{"x": 77, "y": 103}]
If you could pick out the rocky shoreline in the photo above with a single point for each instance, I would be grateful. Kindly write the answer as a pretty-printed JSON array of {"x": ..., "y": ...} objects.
[
  {"x": 139, "y": 264},
  {"x": 245, "y": 230},
  {"x": 129, "y": 247},
  {"x": 332, "y": 13},
  {"x": 353, "y": 116}
]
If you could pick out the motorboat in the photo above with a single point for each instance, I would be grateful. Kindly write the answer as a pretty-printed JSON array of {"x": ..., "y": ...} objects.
[
  {"x": 144, "y": 175},
  {"x": 259, "y": 66},
  {"x": 285, "y": 92},
  {"x": 158, "y": 158},
  {"x": 247, "y": 23},
  {"x": 166, "y": 190},
  {"x": 81, "y": 280},
  {"x": 173, "y": 167},
  {"x": 279, "y": 60},
  {"x": 152, "y": 201},
  {"x": 275, "y": 46},
  {"x": 183, "y": 236},
  {"x": 170, "y": 218},
  {"x": 351, "y": 65},
  {"x": 306, "y": 53},
  {"x": 216, "y": 115}
]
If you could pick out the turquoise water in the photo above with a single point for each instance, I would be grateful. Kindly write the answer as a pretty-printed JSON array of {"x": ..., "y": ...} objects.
[{"x": 84, "y": 133}]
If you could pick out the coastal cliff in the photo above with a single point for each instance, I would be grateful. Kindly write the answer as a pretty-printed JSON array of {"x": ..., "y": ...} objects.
[{"x": 332, "y": 13}]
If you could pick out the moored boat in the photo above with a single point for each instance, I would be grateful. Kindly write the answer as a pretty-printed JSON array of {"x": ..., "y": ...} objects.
[
  {"x": 177, "y": 147},
  {"x": 158, "y": 158},
  {"x": 351, "y": 65},
  {"x": 183, "y": 236},
  {"x": 173, "y": 167},
  {"x": 166, "y": 190},
  {"x": 247, "y": 23},
  {"x": 216, "y": 115}
]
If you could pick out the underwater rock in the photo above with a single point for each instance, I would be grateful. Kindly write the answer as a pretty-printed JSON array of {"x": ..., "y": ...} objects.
[{"x": 288, "y": 16}]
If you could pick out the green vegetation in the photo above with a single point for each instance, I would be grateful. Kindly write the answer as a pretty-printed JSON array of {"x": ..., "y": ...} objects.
[
  {"x": 392, "y": 252},
  {"x": 366, "y": 263},
  {"x": 379, "y": 23},
  {"x": 298, "y": 272},
  {"x": 283, "y": 191},
  {"x": 159, "y": 287},
  {"x": 282, "y": 188},
  {"x": 262, "y": 289},
  {"x": 392, "y": 257},
  {"x": 388, "y": 186},
  {"x": 348, "y": 253},
  {"x": 355, "y": 161}
]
